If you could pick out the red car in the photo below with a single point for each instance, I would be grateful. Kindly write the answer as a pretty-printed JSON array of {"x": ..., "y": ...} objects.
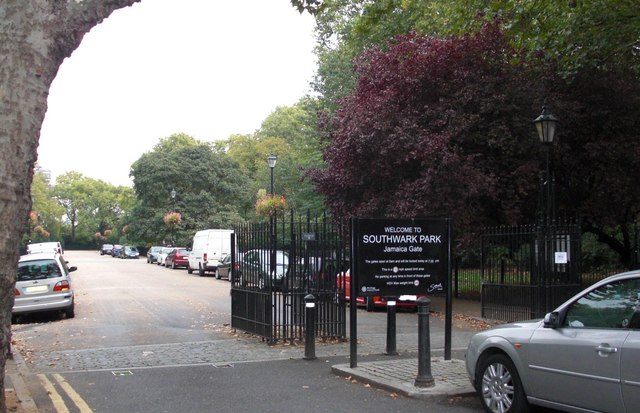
[
  {"x": 179, "y": 257},
  {"x": 343, "y": 279}
]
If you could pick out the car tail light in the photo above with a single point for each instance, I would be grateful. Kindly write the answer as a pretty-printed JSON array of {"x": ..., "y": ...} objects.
[
  {"x": 204, "y": 257},
  {"x": 62, "y": 286},
  {"x": 236, "y": 265},
  {"x": 17, "y": 292}
]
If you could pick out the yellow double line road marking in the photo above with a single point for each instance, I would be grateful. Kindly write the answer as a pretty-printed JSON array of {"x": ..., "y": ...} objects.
[{"x": 56, "y": 399}]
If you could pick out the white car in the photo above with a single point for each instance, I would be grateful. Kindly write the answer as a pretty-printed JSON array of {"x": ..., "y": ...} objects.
[
  {"x": 583, "y": 357},
  {"x": 162, "y": 255},
  {"x": 43, "y": 284}
]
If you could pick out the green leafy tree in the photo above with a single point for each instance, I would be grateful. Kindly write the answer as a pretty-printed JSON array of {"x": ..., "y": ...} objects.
[
  {"x": 210, "y": 190},
  {"x": 297, "y": 126},
  {"x": 290, "y": 133},
  {"x": 91, "y": 206},
  {"x": 45, "y": 223}
]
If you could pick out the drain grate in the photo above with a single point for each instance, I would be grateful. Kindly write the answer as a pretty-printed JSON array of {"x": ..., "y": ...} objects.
[{"x": 122, "y": 373}]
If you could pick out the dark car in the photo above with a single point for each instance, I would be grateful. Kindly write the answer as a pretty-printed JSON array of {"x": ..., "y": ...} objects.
[
  {"x": 152, "y": 254},
  {"x": 254, "y": 269},
  {"x": 129, "y": 251},
  {"x": 223, "y": 270},
  {"x": 106, "y": 249},
  {"x": 179, "y": 257}
]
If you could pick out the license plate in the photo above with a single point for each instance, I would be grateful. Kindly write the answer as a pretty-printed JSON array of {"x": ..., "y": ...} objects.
[
  {"x": 407, "y": 298},
  {"x": 37, "y": 289}
]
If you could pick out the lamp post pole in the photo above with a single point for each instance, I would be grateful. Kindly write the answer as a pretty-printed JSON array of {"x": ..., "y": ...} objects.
[
  {"x": 173, "y": 227},
  {"x": 271, "y": 160},
  {"x": 546, "y": 126}
]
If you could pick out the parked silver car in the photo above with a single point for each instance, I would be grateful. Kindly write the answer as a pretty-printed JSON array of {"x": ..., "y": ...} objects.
[
  {"x": 584, "y": 356},
  {"x": 106, "y": 249},
  {"x": 162, "y": 255},
  {"x": 43, "y": 284}
]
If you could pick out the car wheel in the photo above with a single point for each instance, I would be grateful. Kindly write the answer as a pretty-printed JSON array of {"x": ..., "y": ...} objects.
[
  {"x": 371, "y": 306},
  {"x": 189, "y": 269},
  {"x": 173, "y": 265},
  {"x": 70, "y": 312},
  {"x": 200, "y": 271},
  {"x": 217, "y": 274},
  {"x": 500, "y": 387}
]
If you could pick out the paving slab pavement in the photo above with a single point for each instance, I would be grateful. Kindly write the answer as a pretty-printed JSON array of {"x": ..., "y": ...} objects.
[
  {"x": 399, "y": 374},
  {"x": 17, "y": 395}
]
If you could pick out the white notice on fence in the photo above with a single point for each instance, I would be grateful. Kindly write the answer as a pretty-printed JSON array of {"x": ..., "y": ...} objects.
[{"x": 561, "y": 257}]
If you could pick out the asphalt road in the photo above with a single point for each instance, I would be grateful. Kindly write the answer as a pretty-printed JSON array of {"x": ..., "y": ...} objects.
[{"x": 150, "y": 339}]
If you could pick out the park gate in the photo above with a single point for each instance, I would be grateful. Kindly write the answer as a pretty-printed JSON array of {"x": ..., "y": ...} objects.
[
  {"x": 278, "y": 264},
  {"x": 529, "y": 270}
]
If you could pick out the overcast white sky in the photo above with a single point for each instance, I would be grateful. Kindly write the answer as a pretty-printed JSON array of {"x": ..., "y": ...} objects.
[{"x": 208, "y": 68}]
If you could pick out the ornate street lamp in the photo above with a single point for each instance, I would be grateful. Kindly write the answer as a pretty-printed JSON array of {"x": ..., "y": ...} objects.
[
  {"x": 271, "y": 160},
  {"x": 546, "y": 126},
  {"x": 173, "y": 229}
]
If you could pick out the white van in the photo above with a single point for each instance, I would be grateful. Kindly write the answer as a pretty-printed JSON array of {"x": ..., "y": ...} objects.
[
  {"x": 209, "y": 247},
  {"x": 45, "y": 247}
]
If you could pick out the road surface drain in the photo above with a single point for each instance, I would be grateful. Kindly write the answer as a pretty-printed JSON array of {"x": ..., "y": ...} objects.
[{"x": 122, "y": 373}]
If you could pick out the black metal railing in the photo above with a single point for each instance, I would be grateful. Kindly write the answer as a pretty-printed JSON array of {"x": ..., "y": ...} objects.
[
  {"x": 528, "y": 270},
  {"x": 276, "y": 264}
]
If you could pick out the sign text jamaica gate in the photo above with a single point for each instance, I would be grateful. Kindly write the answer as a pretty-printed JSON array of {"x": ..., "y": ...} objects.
[
  {"x": 529, "y": 270},
  {"x": 276, "y": 264}
]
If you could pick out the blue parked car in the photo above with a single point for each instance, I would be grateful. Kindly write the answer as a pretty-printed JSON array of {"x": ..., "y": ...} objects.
[{"x": 116, "y": 251}]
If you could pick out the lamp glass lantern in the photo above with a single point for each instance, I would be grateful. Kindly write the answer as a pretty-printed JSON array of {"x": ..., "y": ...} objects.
[
  {"x": 271, "y": 159},
  {"x": 546, "y": 126}
]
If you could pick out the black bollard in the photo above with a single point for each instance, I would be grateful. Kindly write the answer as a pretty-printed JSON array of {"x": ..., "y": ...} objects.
[
  {"x": 391, "y": 327},
  {"x": 310, "y": 327},
  {"x": 424, "y": 378}
]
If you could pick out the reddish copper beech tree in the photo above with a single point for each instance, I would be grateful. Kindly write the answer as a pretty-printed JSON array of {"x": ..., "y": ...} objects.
[
  {"x": 443, "y": 127},
  {"x": 436, "y": 127},
  {"x": 35, "y": 37}
]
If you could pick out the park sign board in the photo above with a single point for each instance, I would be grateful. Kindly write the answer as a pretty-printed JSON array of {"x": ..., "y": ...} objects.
[{"x": 394, "y": 257}]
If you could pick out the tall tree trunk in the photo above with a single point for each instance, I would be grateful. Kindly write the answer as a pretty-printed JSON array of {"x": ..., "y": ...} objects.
[{"x": 35, "y": 37}]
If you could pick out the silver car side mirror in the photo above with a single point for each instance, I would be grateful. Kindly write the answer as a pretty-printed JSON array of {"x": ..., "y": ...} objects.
[{"x": 551, "y": 320}]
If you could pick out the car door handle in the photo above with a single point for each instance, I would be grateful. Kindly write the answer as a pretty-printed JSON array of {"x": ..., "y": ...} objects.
[{"x": 603, "y": 349}]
